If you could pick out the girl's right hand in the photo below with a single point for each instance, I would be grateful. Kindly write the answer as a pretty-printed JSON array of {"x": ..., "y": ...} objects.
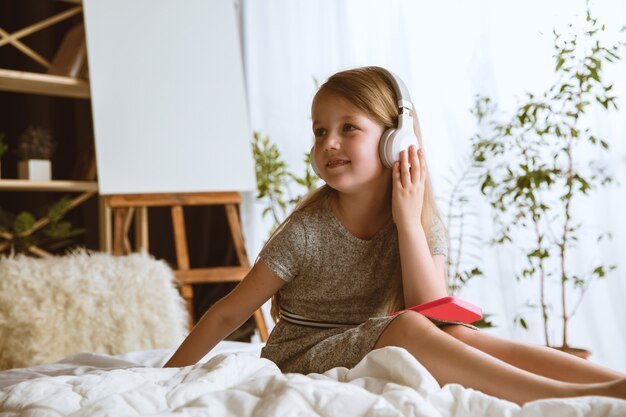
[{"x": 409, "y": 183}]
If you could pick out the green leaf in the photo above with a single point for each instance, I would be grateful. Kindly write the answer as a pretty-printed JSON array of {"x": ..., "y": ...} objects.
[
  {"x": 599, "y": 271},
  {"x": 23, "y": 222},
  {"x": 58, "y": 209},
  {"x": 6, "y": 219},
  {"x": 604, "y": 102},
  {"x": 58, "y": 230},
  {"x": 484, "y": 322}
]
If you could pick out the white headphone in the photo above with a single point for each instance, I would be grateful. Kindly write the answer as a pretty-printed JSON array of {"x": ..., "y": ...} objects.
[{"x": 397, "y": 139}]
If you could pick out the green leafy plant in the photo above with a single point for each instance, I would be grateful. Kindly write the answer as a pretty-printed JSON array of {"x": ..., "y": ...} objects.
[
  {"x": 463, "y": 261},
  {"x": 35, "y": 143},
  {"x": 275, "y": 182},
  {"x": 463, "y": 234},
  {"x": 21, "y": 231},
  {"x": 532, "y": 173}
]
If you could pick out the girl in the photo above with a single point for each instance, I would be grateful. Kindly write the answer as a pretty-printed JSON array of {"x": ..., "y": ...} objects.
[{"x": 367, "y": 243}]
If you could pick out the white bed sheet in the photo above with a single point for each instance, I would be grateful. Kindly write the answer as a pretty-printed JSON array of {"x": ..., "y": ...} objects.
[
  {"x": 82, "y": 363},
  {"x": 233, "y": 381}
]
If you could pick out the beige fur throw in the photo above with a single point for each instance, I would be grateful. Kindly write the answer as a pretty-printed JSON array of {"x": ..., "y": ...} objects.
[{"x": 86, "y": 302}]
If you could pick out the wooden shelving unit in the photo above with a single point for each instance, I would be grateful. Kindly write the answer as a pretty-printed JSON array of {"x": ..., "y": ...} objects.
[
  {"x": 53, "y": 186},
  {"x": 62, "y": 73},
  {"x": 46, "y": 84},
  {"x": 62, "y": 78}
]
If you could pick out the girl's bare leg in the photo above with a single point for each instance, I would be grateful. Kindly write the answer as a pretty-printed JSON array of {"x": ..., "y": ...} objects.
[
  {"x": 451, "y": 361},
  {"x": 540, "y": 360}
]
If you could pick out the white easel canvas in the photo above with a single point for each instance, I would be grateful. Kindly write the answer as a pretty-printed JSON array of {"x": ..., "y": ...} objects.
[{"x": 168, "y": 96}]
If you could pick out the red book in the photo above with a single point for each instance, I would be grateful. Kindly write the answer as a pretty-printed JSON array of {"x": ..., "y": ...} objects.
[{"x": 449, "y": 309}]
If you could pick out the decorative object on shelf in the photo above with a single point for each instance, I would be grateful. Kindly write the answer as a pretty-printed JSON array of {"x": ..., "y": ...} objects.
[
  {"x": 35, "y": 147},
  {"x": 532, "y": 174},
  {"x": 3, "y": 149},
  {"x": 71, "y": 57},
  {"x": 22, "y": 233}
]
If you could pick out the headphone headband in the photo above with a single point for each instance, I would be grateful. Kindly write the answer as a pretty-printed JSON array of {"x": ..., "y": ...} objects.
[{"x": 402, "y": 93}]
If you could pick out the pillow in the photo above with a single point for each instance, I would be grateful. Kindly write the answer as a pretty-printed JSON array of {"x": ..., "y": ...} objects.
[{"x": 54, "y": 307}]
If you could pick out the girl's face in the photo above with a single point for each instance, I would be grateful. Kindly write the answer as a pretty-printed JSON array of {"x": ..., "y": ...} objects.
[{"x": 346, "y": 145}]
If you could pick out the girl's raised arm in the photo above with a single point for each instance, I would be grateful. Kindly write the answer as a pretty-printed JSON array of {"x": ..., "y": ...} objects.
[
  {"x": 227, "y": 315},
  {"x": 423, "y": 274}
]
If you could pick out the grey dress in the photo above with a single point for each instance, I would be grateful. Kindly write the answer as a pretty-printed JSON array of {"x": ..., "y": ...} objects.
[{"x": 336, "y": 277}]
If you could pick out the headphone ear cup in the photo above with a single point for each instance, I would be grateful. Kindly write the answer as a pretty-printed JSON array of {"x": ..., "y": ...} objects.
[
  {"x": 393, "y": 141},
  {"x": 313, "y": 164},
  {"x": 385, "y": 147}
]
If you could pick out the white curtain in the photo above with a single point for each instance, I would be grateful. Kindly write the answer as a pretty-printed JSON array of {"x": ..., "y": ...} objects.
[{"x": 446, "y": 52}]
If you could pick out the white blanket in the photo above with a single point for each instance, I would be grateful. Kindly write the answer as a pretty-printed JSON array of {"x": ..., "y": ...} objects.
[{"x": 387, "y": 382}]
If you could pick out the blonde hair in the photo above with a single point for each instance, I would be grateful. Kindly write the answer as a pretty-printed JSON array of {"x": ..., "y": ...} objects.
[{"x": 372, "y": 92}]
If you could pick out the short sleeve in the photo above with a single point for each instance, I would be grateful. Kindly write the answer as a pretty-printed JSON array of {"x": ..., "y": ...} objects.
[
  {"x": 285, "y": 252},
  {"x": 437, "y": 238}
]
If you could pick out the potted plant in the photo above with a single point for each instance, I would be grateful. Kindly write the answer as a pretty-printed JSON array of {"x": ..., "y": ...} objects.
[
  {"x": 533, "y": 175},
  {"x": 275, "y": 181},
  {"x": 35, "y": 147},
  {"x": 23, "y": 233},
  {"x": 3, "y": 149}
]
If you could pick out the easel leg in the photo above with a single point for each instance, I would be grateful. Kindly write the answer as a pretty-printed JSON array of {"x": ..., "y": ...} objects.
[
  {"x": 186, "y": 291},
  {"x": 141, "y": 230},
  {"x": 119, "y": 220},
  {"x": 237, "y": 236},
  {"x": 180, "y": 238},
  {"x": 127, "y": 222},
  {"x": 105, "y": 225},
  {"x": 259, "y": 319}
]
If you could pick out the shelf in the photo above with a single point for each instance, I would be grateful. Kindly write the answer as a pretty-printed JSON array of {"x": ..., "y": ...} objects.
[
  {"x": 54, "y": 186},
  {"x": 36, "y": 83}
]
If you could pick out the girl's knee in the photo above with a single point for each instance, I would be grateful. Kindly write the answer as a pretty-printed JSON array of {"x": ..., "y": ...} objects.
[
  {"x": 405, "y": 327},
  {"x": 411, "y": 320}
]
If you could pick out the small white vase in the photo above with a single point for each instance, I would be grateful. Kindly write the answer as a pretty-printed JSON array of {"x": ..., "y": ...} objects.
[{"x": 34, "y": 170}]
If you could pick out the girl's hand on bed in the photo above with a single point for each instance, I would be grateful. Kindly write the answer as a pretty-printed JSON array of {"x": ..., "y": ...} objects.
[{"x": 408, "y": 182}]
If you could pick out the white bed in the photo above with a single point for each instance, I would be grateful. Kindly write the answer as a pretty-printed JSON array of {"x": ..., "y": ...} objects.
[{"x": 233, "y": 381}]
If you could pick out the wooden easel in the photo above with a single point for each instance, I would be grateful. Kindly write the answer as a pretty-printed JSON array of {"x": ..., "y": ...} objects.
[{"x": 114, "y": 239}]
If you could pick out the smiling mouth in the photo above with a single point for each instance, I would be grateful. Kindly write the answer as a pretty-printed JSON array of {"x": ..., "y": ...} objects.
[{"x": 336, "y": 163}]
